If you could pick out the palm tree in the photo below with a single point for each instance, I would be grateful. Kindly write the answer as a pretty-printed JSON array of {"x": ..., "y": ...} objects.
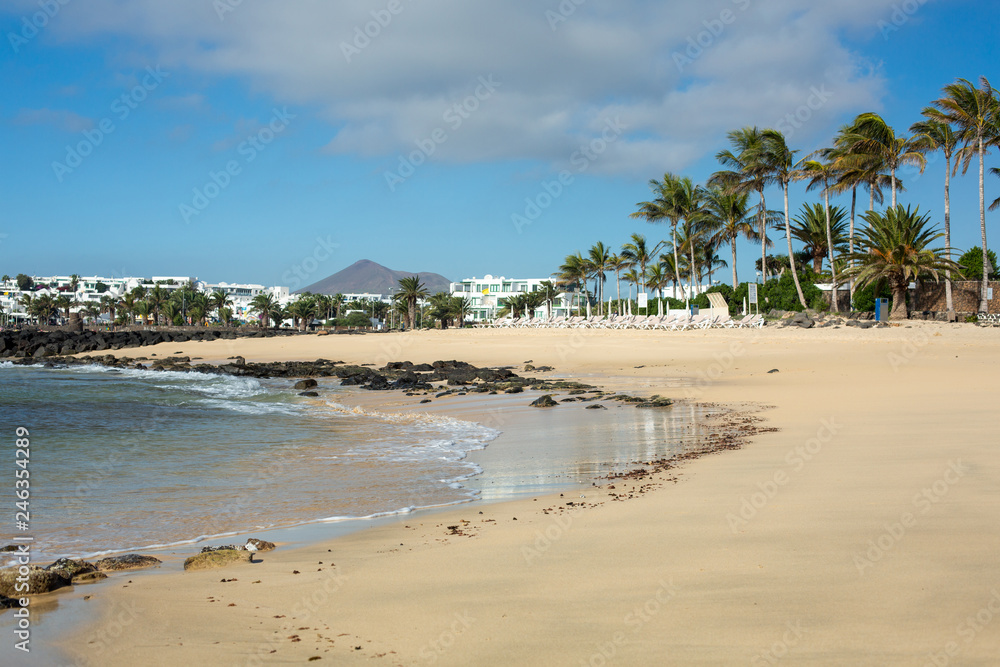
[
  {"x": 411, "y": 290},
  {"x": 640, "y": 255},
  {"x": 263, "y": 305},
  {"x": 941, "y": 137},
  {"x": 143, "y": 310},
  {"x": 817, "y": 228},
  {"x": 896, "y": 247},
  {"x": 460, "y": 307},
  {"x": 109, "y": 305},
  {"x": 338, "y": 302},
  {"x": 574, "y": 273},
  {"x": 198, "y": 308},
  {"x": 820, "y": 174},
  {"x": 156, "y": 298},
  {"x": 974, "y": 113},
  {"x": 550, "y": 293},
  {"x": 91, "y": 312},
  {"x": 656, "y": 280},
  {"x": 600, "y": 261},
  {"x": 64, "y": 303},
  {"x": 74, "y": 282},
  {"x": 734, "y": 219},
  {"x": 662, "y": 207},
  {"x": 632, "y": 278},
  {"x": 748, "y": 171},
  {"x": 779, "y": 160},
  {"x": 871, "y": 135},
  {"x": 218, "y": 302},
  {"x": 44, "y": 308},
  {"x": 171, "y": 311}
]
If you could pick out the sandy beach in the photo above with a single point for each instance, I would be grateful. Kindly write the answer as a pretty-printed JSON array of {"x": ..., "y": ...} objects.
[{"x": 863, "y": 531}]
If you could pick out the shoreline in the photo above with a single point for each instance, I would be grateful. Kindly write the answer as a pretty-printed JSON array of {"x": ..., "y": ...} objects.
[{"x": 725, "y": 581}]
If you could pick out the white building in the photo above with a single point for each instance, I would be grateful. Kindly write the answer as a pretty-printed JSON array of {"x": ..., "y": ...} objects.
[{"x": 488, "y": 295}]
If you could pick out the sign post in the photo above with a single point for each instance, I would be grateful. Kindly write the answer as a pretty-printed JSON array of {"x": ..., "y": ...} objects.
[{"x": 752, "y": 293}]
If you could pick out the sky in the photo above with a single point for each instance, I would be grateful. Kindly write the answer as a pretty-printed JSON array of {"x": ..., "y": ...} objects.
[{"x": 280, "y": 142}]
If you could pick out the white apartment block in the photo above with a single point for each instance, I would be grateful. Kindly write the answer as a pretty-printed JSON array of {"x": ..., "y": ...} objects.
[{"x": 487, "y": 295}]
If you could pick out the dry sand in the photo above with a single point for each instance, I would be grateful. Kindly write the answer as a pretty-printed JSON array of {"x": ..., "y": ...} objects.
[{"x": 864, "y": 532}]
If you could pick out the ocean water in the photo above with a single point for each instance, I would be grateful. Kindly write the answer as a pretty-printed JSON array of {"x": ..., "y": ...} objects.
[{"x": 129, "y": 459}]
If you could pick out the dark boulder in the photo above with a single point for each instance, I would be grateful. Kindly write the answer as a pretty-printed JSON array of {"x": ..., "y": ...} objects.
[
  {"x": 305, "y": 384},
  {"x": 309, "y": 394},
  {"x": 545, "y": 401}
]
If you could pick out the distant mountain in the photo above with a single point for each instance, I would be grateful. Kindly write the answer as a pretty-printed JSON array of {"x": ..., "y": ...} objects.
[{"x": 367, "y": 277}]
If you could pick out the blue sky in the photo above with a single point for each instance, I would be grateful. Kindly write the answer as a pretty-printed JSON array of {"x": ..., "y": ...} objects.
[{"x": 277, "y": 143}]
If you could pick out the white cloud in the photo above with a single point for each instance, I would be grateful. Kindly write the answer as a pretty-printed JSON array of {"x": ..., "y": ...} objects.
[{"x": 609, "y": 58}]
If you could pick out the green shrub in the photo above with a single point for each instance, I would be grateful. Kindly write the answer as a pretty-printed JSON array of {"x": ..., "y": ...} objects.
[
  {"x": 354, "y": 320},
  {"x": 780, "y": 292},
  {"x": 864, "y": 298},
  {"x": 972, "y": 263}
]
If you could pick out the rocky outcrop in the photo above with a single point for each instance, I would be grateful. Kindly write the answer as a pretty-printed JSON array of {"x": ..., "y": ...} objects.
[
  {"x": 216, "y": 558},
  {"x": 126, "y": 562},
  {"x": 39, "y": 581}
]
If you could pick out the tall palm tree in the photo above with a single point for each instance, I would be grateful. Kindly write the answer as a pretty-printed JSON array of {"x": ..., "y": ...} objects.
[
  {"x": 411, "y": 290},
  {"x": 600, "y": 260},
  {"x": 941, "y": 137},
  {"x": 734, "y": 220},
  {"x": 156, "y": 298},
  {"x": 74, "y": 282},
  {"x": 670, "y": 270},
  {"x": 747, "y": 171},
  {"x": 810, "y": 229},
  {"x": 64, "y": 303},
  {"x": 688, "y": 204},
  {"x": 663, "y": 206},
  {"x": 780, "y": 162},
  {"x": 639, "y": 254},
  {"x": 338, "y": 302},
  {"x": 218, "y": 301},
  {"x": 109, "y": 305},
  {"x": 820, "y": 174},
  {"x": 264, "y": 305},
  {"x": 870, "y": 135},
  {"x": 974, "y": 113},
  {"x": 896, "y": 247}
]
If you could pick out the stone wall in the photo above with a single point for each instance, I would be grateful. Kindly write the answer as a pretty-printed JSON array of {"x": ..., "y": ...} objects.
[{"x": 965, "y": 295}]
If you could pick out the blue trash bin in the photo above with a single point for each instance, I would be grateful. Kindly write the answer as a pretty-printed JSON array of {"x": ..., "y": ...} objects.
[{"x": 882, "y": 310}]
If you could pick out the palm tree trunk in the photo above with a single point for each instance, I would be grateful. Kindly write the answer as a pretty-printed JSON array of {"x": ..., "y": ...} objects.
[
  {"x": 763, "y": 237},
  {"x": 894, "y": 187},
  {"x": 732, "y": 244},
  {"x": 898, "y": 311},
  {"x": 677, "y": 259},
  {"x": 618, "y": 289},
  {"x": 950, "y": 305},
  {"x": 854, "y": 204},
  {"x": 830, "y": 251},
  {"x": 791, "y": 254},
  {"x": 984, "y": 304},
  {"x": 691, "y": 291}
]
